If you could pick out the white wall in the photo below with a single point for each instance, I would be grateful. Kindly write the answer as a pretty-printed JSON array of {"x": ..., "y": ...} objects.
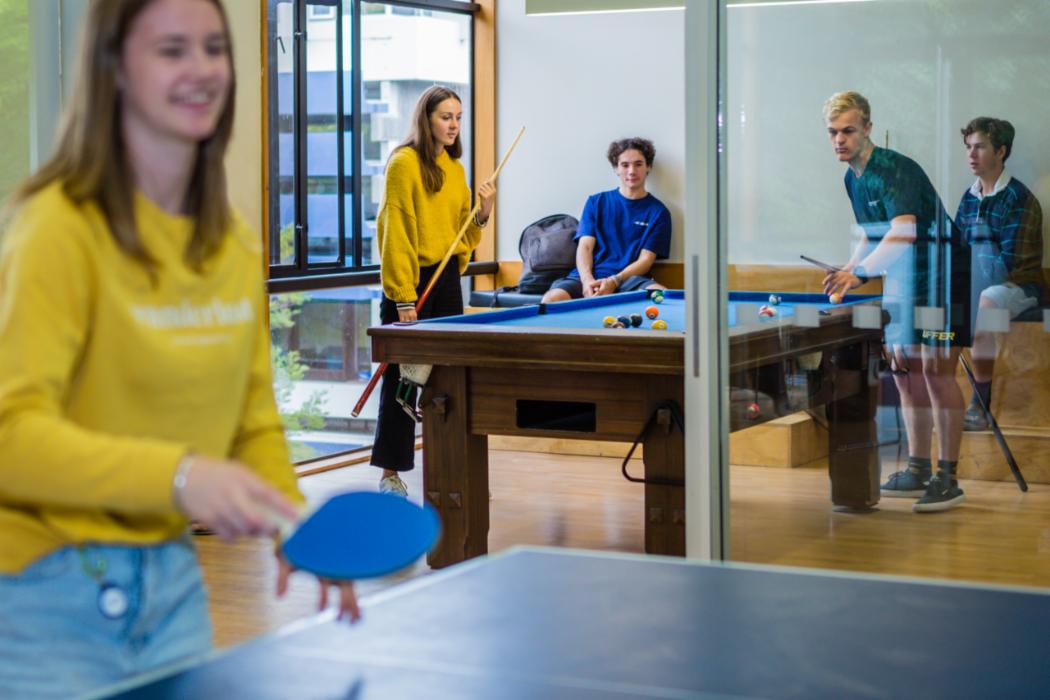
[
  {"x": 927, "y": 67},
  {"x": 577, "y": 83}
]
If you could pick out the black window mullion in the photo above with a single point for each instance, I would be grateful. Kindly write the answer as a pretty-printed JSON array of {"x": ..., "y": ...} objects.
[
  {"x": 356, "y": 106},
  {"x": 443, "y": 5},
  {"x": 340, "y": 139},
  {"x": 301, "y": 165}
]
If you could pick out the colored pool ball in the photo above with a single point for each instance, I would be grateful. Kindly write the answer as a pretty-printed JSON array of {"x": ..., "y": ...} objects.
[
  {"x": 753, "y": 411},
  {"x": 608, "y": 321},
  {"x": 835, "y": 298},
  {"x": 767, "y": 312},
  {"x": 652, "y": 311},
  {"x": 659, "y": 325},
  {"x": 774, "y": 299},
  {"x": 618, "y": 325},
  {"x": 636, "y": 320}
]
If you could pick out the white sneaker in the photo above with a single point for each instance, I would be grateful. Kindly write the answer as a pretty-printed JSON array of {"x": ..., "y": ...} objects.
[{"x": 393, "y": 485}]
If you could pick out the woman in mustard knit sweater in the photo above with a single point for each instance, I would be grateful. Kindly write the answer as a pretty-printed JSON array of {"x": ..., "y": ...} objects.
[
  {"x": 135, "y": 385},
  {"x": 425, "y": 204}
]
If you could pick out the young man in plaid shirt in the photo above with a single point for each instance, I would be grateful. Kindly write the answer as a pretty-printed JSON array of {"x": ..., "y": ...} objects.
[{"x": 1003, "y": 223}]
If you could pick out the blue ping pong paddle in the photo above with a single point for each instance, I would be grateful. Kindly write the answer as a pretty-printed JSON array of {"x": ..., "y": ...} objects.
[{"x": 360, "y": 534}]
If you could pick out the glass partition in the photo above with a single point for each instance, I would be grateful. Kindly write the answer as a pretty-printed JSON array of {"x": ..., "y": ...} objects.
[{"x": 901, "y": 147}]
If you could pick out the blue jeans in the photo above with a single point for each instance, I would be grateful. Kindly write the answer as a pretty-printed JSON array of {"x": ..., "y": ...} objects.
[{"x": 54, "y": 641}]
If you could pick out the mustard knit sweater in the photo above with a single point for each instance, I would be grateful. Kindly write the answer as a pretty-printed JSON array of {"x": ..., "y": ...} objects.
[
  {"x": 107, "y": 380},
  {"x": 415, "y": 227}
]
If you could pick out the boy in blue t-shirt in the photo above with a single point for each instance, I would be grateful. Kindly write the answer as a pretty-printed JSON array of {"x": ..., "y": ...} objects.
[{"x": 622, "y": 232}]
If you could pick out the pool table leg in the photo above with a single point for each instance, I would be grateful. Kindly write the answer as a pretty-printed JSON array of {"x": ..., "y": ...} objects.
[
  {"x": 455, "y": 468},
  {"x": 853, "y": 453},
  {"x": 663, "y": 454}
]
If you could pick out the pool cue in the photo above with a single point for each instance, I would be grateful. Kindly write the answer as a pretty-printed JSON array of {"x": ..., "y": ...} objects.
[
  {"x": 1021, "y": 484},
  {"x": 370, "y": 387}
]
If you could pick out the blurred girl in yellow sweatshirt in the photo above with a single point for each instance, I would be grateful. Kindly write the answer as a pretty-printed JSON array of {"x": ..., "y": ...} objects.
[
  {"x": 425, "y": 204},
  {"x": 135, "y": 387}
]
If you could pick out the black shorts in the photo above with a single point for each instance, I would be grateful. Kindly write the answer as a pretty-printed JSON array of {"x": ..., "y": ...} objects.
[
  {"x": 574, "y": 287},
  {"x": 937, "y": 281}
]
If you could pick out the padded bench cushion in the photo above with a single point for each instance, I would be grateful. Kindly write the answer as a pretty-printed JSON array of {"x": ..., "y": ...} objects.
[
  {"x": 1033, "y": 314},
  {"x": 494, "y": 299}
]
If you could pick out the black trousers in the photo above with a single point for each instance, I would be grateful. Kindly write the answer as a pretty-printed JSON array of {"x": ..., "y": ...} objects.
[{"x": 394, "y": 444}]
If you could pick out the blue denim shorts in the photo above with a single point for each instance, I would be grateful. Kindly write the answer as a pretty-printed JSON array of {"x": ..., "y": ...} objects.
[{"x": 56, "y": 643}]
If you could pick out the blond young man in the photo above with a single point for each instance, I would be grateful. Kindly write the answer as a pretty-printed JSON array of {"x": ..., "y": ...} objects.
[{"x": 909, "y": 241}]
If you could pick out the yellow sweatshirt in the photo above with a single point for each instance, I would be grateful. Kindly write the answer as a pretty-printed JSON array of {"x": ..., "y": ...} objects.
[
  {"x": 415, "y": 228},
  {"x": 106, "y": 381}
]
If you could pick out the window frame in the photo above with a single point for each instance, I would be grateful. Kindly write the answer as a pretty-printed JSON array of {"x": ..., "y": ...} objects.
[{"x": 348, "y": 269}]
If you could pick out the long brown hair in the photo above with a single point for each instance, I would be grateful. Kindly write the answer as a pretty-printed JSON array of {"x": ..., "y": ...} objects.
[
  {"x": 91, "y": 159},
  {"x": 421, "y": 138}
]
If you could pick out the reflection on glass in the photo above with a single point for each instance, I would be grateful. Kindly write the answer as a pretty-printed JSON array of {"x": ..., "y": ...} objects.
[
  {"x": 896, "y": 426},
  {"x": 321, "y": 358},
  {"x": 403, "y": 52},
  {"x": 924, "y": 263}
]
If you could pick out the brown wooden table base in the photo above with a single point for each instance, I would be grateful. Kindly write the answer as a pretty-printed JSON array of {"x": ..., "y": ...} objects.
[{"x": 604, "y": 384}]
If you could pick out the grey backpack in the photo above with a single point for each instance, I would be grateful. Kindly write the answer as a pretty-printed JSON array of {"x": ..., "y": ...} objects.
[{"x": 548, "y": 252}]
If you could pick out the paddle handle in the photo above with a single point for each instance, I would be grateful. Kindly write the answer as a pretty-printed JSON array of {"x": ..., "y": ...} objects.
[{"x": 285, "y": 525}]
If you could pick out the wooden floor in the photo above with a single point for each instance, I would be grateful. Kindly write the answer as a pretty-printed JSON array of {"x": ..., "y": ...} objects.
[{"x": 778, "y": 516}]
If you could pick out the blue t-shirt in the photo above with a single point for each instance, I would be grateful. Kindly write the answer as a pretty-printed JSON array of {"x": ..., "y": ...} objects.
[{"x": 621, "y": 228}]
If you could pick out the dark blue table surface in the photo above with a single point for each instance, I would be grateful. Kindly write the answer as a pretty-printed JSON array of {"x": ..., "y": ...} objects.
[{"x": 545, "y": 623}]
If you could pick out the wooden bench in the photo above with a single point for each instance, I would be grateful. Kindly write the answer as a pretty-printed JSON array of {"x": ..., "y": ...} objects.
[{"x": 1021, "y": 405}]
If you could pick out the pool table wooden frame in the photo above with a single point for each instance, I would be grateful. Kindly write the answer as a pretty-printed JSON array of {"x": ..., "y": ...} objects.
[{"x": 482, "y": 371}]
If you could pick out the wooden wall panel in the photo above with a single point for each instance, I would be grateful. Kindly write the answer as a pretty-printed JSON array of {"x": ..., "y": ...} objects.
[{"x": 485, "y": 157}]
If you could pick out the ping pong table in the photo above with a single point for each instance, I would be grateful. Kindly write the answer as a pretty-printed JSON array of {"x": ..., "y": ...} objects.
[{"x": 556, "y": 623}]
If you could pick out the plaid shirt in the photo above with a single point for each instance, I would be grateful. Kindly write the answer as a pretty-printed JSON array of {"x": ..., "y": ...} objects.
[{"x": 1005, "y": 230}]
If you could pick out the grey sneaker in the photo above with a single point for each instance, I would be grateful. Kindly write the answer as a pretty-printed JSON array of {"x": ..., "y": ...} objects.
[
  {"x": 943, "y": 493},
  {"x": 393, "y": 485},
  {"x": 907, "y": 483},
  {"x": 975, "y": 420}
]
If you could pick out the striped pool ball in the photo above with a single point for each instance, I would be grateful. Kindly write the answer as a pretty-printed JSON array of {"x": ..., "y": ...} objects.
[
  {"x": 608, "y": 321},
  {"x": 652, "y": 311},
  {"x": 658, "y": 298},
  {"x": 767, "y": 312},
  {"x": 774, "y": 299},
  {"x": 625, "y": 320},
  {"x": 659, "y": 325}
]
